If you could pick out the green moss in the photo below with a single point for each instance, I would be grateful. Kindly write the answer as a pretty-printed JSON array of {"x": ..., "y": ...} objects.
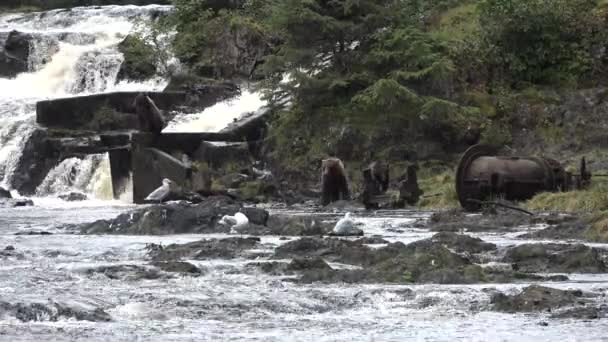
[
  {"x": 140, "y": 58},
  {"x": 107, "y": 118}
]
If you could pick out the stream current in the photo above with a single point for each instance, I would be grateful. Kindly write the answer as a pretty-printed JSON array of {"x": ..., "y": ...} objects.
[{"x": 228, "y": 302}]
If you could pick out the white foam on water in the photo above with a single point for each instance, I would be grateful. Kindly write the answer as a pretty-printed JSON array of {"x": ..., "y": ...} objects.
[{"x": 218, "y": 116}]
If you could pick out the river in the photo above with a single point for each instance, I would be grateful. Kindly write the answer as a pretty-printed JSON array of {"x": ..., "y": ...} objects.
[{"x": 229, "y": 301}]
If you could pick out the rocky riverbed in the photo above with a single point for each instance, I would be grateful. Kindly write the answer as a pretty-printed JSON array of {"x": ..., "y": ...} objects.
[{"x": 76, "y": 270}]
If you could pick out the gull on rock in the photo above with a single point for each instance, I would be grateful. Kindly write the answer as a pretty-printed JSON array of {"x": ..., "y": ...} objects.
[
  {"x": 162, "y": 193},
  {"x": 239, "y": 219},
  {"x": 346, "y": 227}
]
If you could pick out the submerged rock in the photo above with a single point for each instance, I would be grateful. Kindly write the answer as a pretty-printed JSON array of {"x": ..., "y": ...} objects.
[
  {"x": 462, "y": 243},
  {"x": 297, "y": 225},
  {"x": 587, "y": 312},
  {"x": 228, "y": 248},
  {"x": 14, "y": 203},
  {"x": 455, "y": 221},
  {"x": 126, "y": 272},
  {"x": 537, "y": 298},
  {"x": 555, "y": 258},
  {"x": 177, "y": 267},
  {"x": 53, "y": 311},
  {"x": 73, "y": 196}
]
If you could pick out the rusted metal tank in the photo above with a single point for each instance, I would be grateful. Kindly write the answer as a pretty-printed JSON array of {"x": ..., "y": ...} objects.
[{"x": 481, "y": 175}]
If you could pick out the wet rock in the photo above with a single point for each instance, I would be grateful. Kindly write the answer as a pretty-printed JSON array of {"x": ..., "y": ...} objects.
[
  {"x": 291, "y": 225},
  {"x": 73, "y": 196},
  {"x": 555, "y": 258},
  {"x": 302, "y": 265},
  {"x": 16, "y": 52},
  {"x": 372, "y": 240},
  {"x": 587, "y": 312},
  {"x": 34, "y": 232},
  {"x": 5, "y": 193},
  {"x": 177, "y": 267},
  {"x": 175, "y": 218},
  {"x": 462, "y": 243},
  {"x": 37, "y": 159},
  {"x": 10, "y": 252},
  {"x": 125, "y": 272},
  {"x": 395, "y": 263},
  {"x": 451, "y": 215},
  {"x": 536, "y": 298},
  {"x": 456, "y": 221},
  {"x": 14, "y": 203},
  {"x": 571, "y": 229},
  {"x": 53, "y": 311},
  {"x": 252, "y": 229},
  {"x": 228, "y": 248}
]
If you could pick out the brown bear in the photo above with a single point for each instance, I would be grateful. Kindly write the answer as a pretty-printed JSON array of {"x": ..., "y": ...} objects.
[
  {"x": 375, "y": 182},
  {"x": 409, "y": 191},
  {"x": 334, "y": 184},
  {"x": 149, "y": 116}
]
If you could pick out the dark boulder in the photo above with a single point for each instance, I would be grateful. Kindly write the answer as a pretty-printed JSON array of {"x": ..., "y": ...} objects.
[
  {"x": 14, "y": 54},
  {"x": 228, "y": 248},
  {"x": 555, "y": 258},
  {"x": 53, "y": 311},
  {"x": 14, "y": 203},
  {"x": 537, "y": 298},
  {"x": 38, "y": 157},
  {"x": 125, "y": 272},
  {"x": 177, "y": 267},
  {"x": 5, "y": 193},
  {"x": 73, "y": 196},
  {"x": 586, "y": 312},
  {"x": 297, "y": 265},
  {"x": 462, "y": 243},
  {"x": 175, "y": 218}
]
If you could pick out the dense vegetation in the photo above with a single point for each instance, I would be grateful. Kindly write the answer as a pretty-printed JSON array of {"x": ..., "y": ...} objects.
[{"x": 401, "y": 80}]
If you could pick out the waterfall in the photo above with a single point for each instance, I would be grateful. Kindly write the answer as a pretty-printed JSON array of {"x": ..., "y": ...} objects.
[
  {"x": 218, "y": 116},
  {"x": 71, "y": 53}
]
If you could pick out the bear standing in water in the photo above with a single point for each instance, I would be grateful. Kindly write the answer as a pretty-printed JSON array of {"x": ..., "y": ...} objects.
[
  {"x": 334, "y": 184},
  {"x": 149, "y": 116}
]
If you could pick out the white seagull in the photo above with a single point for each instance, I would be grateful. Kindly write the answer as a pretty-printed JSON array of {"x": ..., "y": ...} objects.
[{"x": 345, "y": 227}]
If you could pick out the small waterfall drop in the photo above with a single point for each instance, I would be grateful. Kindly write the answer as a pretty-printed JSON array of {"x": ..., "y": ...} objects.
[
  {"x": 218, "y": 116},
  {"x": 71, "y": 53}
]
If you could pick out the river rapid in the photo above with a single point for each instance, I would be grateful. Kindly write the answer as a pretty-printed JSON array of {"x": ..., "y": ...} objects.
[{"x": 45, "y": 263}]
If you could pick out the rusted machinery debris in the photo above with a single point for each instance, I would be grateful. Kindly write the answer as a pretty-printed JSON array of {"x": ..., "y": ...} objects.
[{"x": 481, "y": 176}]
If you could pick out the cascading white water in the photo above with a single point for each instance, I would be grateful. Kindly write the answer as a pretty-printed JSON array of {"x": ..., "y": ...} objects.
[
  {"x": 218, "y": 116},
  {"x": 73, "y": 53},
  {"x": 76, "y": 53}
]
